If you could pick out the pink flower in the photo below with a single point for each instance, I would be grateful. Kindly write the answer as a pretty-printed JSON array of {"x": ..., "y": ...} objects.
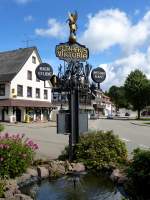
[
  {"x": 6, "y": 135},
  {"x": 1, "y": 146},
  {"x": 1, "y": 159}
]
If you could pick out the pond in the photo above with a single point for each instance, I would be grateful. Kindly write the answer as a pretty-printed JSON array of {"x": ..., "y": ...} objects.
[{"x": 87, "y": 187}]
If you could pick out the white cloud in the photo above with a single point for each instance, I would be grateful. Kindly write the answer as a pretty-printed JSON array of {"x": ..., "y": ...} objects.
[
  {"x": 22, "y": 1},
  {"x": 118, "y": 70},
  {"x": 113, "y": 27},
  {"x": 105, "y": 29},
  {"x": 55, "y": 29},
  {"x": 28, "y": 18}
]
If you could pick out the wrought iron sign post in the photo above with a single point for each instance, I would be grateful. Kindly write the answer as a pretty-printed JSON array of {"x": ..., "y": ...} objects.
[{"x": 73, "y": 79}]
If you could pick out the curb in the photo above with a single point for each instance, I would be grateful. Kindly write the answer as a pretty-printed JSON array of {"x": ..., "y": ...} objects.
[{"x": 140, "y": 124}]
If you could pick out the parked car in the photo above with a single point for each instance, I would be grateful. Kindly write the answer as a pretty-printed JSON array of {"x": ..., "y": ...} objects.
[
  {"x": 127, "y": 114},
  {"x": 110, "y": 116}
]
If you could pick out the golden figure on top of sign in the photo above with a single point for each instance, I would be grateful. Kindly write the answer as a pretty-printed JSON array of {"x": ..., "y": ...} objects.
[{"x": 73, "y": 26}]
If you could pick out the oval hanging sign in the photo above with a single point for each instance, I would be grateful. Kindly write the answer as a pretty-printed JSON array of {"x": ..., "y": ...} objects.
[
  {"x": 98, "y": 75},
  {"x": 44, "y": 71}
]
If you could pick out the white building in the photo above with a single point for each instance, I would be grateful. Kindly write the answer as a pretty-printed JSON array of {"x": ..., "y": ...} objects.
[
  {"x": 22, "y": 96},
  {"x": 102, "y": 103}
]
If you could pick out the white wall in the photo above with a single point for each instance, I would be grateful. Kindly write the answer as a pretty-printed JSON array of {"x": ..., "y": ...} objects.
[{"x": 21, "y": 79}]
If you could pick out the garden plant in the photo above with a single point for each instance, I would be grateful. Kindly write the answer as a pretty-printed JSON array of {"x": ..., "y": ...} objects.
[{"x": 16, "y": 154}]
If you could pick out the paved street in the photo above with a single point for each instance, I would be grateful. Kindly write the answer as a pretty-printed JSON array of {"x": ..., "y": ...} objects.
[
  {"x": 51, "y": 144},
  {"x": 133, "y": 133}
]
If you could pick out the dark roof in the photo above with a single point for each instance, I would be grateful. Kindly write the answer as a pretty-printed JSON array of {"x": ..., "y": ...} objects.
[
  {"x": 11, "y": 62},
  {"x": 25, "y": 103}
]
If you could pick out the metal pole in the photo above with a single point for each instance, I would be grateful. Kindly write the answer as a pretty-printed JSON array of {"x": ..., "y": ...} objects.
[{"x": 74, "y": 111}]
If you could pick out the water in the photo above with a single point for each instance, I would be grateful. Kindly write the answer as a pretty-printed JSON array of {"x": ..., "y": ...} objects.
[{"x": 88, "y": 187}]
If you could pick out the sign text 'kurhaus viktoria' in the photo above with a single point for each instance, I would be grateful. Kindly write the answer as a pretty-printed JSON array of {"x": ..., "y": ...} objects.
[{"x": 75, "y": 52}]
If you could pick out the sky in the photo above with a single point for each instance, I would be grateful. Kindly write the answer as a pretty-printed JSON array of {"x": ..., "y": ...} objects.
[{"x": 117, "y": 32}]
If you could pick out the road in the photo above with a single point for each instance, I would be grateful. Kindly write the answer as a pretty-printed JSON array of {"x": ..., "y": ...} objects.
[
  {"x": 51, "y": 144},
  {"x": 133, "y": 133}
]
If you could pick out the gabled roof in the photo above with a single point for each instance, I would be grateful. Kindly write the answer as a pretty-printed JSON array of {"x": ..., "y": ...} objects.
[{"x": 11, "y": 62}]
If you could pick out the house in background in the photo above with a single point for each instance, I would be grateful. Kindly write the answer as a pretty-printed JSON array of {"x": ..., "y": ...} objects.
[
  {"x": 102, "y": 103},
  {"x": 22, "y": 96}
]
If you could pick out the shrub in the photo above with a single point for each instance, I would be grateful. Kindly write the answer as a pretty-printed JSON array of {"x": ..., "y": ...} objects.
[
  {"x": 139, "y": 174},
  {"x": 100, "y": 150},
  {"x": 1, "y": 127},
  {"x": 16, "y": 154},
  {"x": 64, "y": 154},
  {"x": 2, "y": 187}
]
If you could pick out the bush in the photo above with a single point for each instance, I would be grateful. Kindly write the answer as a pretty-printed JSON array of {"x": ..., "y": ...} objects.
[
  {"x": 139, "y": 174},
  {"x": 64, "y": 154},
  {"x": 16, "y": 154},
  {"x": 2, "y": 188},
  {"x": 100, "y": 150},
  {"x": 1, "y": 127}
]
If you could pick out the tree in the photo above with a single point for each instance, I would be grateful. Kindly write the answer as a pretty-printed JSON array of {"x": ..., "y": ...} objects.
[
  {"x": 117, "y": 95},
  {"x": 137, "y": 90}
]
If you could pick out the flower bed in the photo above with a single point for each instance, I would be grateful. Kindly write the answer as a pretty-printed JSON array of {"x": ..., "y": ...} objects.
[{"x": 16, "y": 154}]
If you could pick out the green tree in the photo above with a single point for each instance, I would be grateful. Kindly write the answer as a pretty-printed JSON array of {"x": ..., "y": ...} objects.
[
  {"x": 117, "y": 95},
  {"x": 137, "y": 90}
]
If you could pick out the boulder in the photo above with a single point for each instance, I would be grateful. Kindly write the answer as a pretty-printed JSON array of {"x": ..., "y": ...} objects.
[
  {"x": 78, "y": 167},
  {"x": 32, "y": 172},
  {"x": 118, "y": 177},
  {"x": 43, "y": 172},
  {"x": 22, "y": 197},
  {"x": 57, "y": 168},
  {"x": 24, "y": 178}
]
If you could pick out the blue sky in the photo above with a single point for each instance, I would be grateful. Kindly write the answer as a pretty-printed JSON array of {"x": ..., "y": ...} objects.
[{"x": 117, "y": 32}]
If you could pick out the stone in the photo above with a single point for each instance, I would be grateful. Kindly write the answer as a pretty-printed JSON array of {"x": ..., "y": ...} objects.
[
  {"x": 57, "y": 168},
  {"x": 8, "y": 194},
  {"x": 24, "y": 178},
  {"x": 79, "y": 167},
  {"x": 11, "y": 184},
  {"x": 43, "y": 172},
  {"x": 68, "y": 166},
  {"x": 118, "y": 177},
  {"x": 32, "y": 172},
  {"x": 122, "y": 179},
  {"x": 22, "y": 197}
]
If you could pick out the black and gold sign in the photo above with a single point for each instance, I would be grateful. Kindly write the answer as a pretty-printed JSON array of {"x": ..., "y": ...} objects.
[{"x": 72, "y": 52}]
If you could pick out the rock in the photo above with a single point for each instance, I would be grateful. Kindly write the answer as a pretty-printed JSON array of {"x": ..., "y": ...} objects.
[
  {"x": 115, "y": 175},
  {"x": 24, "y": 178},
  {"x": 122, "y": 179},
  {"x": 22, "y": 197},
  {"x": 11, "y": 184},
  {"x": 68, "y": 166},
  {"x": 118, "y": 177},
  {"x": 43, "y": 172},
  {"x": 79, "y": 167},
  {"x": 32, "y": 172},
  {"x": 57, "y": 168},
  {"x": 8, "y": 194}
]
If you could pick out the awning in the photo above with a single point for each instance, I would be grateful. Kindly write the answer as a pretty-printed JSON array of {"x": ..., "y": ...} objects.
[{"x": 24, "y": 103}]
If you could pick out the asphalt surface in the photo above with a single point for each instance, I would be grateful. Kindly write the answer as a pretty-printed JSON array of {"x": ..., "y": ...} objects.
[{"x": 133, "y": 133}]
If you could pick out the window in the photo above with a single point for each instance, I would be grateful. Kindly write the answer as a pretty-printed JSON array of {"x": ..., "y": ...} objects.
[
  {"x": 29, "y": 91},
  {"x": 29, "y": 75},
  {"x": 34, "y": 59},
  {"x": 19, "y": 90},
  {"x": 13, "y": 90},
  {"x": 2, "y": 89},
  {"x": 37, "y": 93},
  {"x": 45, "y": 94}
]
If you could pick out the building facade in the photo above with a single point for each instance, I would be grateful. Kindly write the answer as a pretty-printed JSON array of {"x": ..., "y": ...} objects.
[{"x": 23, "y": 97}]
